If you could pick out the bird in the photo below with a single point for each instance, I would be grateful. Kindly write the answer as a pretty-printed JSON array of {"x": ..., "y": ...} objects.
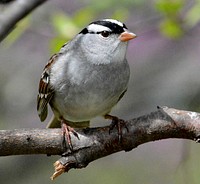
[{"x": 86, "y": 78}]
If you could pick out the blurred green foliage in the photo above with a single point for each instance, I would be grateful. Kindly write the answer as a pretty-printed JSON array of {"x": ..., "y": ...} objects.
[
  {"x": 175, "y": 20},
  {"x": 170, "y": 8},
  {"x": 171, "y": 25},
  {"x": 18, "y": 31},
  {"x": 193, "y": 15}
]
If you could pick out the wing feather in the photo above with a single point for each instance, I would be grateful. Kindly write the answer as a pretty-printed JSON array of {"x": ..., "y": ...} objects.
[{"x": 46, "y": 91}]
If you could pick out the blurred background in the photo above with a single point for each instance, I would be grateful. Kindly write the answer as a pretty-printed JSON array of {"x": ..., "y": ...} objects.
[{"x": 165, "y": 65}]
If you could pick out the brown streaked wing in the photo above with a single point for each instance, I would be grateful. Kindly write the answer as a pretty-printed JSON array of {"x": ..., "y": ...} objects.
[{"x": 46, "y": 91}]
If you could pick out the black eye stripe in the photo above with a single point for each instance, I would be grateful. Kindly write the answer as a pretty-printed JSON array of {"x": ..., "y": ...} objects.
[
  {"x": 124, "y": 26},
  {"x": 103, "y": 31},
  {"x": 85, "y": 31}
]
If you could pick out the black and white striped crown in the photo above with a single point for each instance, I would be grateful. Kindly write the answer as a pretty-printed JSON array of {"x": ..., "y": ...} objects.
[{"x": 111, "y": 25}]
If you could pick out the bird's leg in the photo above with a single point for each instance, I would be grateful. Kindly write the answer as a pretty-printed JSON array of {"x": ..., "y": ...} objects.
[
  {"x": 66, "y": 129},
  {"x": 118, "y": 123}
]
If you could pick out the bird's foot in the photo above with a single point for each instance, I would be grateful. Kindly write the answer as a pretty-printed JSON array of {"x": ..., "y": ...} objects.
[
  {"x": 118, "y": 123},
  {"x": 66, "y": 129}
]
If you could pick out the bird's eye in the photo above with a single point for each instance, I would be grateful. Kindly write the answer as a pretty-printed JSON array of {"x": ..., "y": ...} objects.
[{"x": 105, "y": 33}]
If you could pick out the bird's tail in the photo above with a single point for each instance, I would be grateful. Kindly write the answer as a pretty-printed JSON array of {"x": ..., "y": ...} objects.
[{"x": 54, "y": 123}]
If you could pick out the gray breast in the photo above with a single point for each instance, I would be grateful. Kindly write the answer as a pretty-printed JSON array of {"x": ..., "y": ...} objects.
[{"x": 91, "y": 90}]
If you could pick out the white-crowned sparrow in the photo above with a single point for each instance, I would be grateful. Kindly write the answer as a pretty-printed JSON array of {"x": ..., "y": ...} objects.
[{"x": 87, "y": 77}]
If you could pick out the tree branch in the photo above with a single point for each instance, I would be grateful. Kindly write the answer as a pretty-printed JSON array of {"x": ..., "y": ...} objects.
[
  {"x": 5, "y": 1},
  {"x": 94, "y": 143},
  {"x": 14, "y": 12}
]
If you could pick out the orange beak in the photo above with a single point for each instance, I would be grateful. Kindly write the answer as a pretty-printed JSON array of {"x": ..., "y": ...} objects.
[{"x": 126, "y": 36}]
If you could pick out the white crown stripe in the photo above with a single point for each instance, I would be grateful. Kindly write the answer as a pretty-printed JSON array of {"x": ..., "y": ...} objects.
[
  {"x": 97, "y": 28},
  {"x": 114, "y": 21}
]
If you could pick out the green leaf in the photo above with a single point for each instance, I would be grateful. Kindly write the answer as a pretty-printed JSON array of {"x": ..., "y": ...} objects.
[
  {"x": 169, "y": 7},
  {"x": 56, "y": 43},
  {"x": 171, "y": 29},
  {"x": 193, "y": 15},
  {"x": 64, "y": 25}
]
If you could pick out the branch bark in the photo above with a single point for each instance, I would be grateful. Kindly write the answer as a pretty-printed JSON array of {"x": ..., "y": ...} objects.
[
  {"x": 16, "y": 11},
  {"x": 94, "y": 143}
]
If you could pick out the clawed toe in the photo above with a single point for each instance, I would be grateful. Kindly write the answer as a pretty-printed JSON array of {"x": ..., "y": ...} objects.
[
  {"x": 118, "y": 123},
  {"x": 66, "y": 129}
]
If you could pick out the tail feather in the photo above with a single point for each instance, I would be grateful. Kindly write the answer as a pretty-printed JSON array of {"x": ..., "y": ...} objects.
[{"x": 54, "y": 123}]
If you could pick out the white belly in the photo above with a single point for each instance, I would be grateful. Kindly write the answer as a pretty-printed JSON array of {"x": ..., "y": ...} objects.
[{"x": 84, "y": 107}]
